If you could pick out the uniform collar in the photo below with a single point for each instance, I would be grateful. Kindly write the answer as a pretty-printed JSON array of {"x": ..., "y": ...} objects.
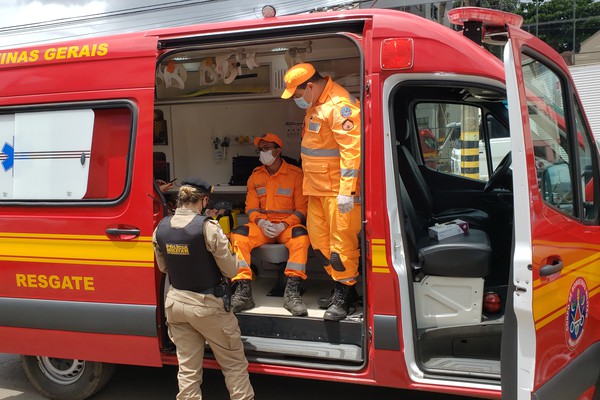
[
  {"x": 281, "y": 171},
  {"x": 185, "y": 211},
  {"x": 326, "y": 90}
]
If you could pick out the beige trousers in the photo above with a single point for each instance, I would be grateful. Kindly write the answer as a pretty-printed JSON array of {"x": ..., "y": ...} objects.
[{"x": 199, "y": 320}]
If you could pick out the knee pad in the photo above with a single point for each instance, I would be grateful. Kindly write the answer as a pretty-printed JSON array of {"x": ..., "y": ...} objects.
[
  {"x": 324, "y": 261},
  {"x": 243, "y": 230},
  {"x": 336, "y": 262},
  {"x": 299, "y": 231}
]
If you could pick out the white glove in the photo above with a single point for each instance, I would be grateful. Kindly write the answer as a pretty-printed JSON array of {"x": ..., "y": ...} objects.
[
  {"x": 345, "y": 203},
  {"x": 274, "y": 230},
  {"x": 264, "y": 225}
]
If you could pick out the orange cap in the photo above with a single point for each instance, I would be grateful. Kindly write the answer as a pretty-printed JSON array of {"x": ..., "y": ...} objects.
[
  {"x": 269, "y": 137},
  {"x": 296, "y": 76}
]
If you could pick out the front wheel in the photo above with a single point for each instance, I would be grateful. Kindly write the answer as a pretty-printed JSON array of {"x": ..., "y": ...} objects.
[{"x": 63, "y": 379}]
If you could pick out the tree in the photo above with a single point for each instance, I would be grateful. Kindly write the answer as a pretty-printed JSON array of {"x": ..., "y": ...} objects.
[{"x": 552, "y": 21}]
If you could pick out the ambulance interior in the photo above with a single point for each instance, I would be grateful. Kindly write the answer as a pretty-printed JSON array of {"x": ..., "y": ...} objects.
[{"x": 212, "y": 101}]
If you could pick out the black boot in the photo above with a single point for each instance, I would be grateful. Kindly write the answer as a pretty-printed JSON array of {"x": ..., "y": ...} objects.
[
  {"x": 292, "y": 300},
  {"x": 338, "y": 309},
  {"x": 242, "y": 297},
  {"x": 325, "y": 302}
]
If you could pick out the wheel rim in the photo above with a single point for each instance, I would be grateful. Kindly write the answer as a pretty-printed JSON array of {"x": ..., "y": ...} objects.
[{"x": 61, "y": 371}]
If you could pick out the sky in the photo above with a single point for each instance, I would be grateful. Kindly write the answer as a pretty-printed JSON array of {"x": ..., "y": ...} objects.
[{"x": 15, "y": 13}]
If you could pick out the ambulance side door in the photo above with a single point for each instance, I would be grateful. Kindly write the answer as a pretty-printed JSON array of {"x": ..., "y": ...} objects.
[
  {"x": 555, "y": 285},
  {"x": 77, "y": 272}
]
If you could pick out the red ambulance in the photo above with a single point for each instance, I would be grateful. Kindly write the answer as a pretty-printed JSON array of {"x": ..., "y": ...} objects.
[{"x": 506, "y": 309}]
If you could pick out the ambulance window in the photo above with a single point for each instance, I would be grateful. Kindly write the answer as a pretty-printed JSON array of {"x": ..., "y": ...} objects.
[
  {"x": 586, "y": 168},
  {"x": 499, "y": 139},
  {"x": 64, "y": 154},
  {"x": 549, "y": 134},
  {"x": 450, "y": 138}
]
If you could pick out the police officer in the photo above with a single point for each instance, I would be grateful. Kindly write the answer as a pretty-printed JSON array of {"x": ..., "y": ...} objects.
[
  {"x": 330, "y": 152},
  {"x": 195, "y": 253}
]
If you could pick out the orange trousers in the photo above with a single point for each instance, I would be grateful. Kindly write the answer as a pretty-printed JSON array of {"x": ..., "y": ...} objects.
[
  {"x": 297, "y": 247},
  {"x": 333, "y": 232}
]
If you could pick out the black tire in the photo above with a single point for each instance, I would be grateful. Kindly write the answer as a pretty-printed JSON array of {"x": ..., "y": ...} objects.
[{"x": 63, "y": 379}]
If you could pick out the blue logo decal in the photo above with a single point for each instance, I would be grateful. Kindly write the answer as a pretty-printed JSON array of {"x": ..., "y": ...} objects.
[
  {"x": 577, "y": 312},
  {"x": 346, "y": 111},
  {"x": 10, "y": 156}
]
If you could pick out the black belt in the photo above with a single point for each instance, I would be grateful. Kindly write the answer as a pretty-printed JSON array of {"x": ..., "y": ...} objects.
[{"x": 210, "y": 290}]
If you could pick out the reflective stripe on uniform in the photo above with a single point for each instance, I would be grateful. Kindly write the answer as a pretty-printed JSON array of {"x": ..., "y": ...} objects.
[
  {"x": 261, "y": 191},
  {"x": 320, "y": 152},
  {"x": 349, "y": 173},
  {"x": 242, "y": 262},
  {"x": 295, "y": 266},
  {"x": 253, "y": 210},
  {"x": 283, "y": 191}
]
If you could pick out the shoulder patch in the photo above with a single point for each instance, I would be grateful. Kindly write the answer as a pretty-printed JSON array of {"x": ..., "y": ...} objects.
[
  {"x": 346, "y": 111},
  {"x": 348, "y": 125}
]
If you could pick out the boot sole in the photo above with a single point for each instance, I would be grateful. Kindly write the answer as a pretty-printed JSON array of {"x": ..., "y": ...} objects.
[
  {"x": 301, "y": 314},
  {"x": 243, "y": 307},
  {"x": 329, "y": 317}
]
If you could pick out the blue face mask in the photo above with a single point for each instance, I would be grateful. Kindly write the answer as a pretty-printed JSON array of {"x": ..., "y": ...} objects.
[{"x": 300, "y": 102}]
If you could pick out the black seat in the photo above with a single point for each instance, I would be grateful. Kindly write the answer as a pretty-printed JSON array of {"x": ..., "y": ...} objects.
[
  {"x": 422, "y": 198},
  {"x": 465, "y": 256}
]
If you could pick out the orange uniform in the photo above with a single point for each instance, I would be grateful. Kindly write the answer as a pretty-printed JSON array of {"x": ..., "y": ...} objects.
[
  {"x": 277, "y": 198},
  {"x": 331, "y": 140}
]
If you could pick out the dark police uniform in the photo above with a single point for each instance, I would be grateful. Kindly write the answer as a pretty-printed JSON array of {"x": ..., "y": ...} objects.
[{"x": 195, "y": 252}]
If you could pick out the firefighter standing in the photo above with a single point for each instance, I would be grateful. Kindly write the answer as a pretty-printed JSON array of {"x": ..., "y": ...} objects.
[
  {"x": 331, "y": 140},
  {"x": 276, "y": 210},
  {"x": 195, "y": 253}
]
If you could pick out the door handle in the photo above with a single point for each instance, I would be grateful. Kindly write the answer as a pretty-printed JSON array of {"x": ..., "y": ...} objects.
[
  {"x": 123, "y": 233},
  {"x": 553, "y": 268}
]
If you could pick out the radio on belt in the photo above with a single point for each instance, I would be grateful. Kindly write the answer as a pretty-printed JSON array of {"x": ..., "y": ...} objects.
[{"x": 449, "y": 229}]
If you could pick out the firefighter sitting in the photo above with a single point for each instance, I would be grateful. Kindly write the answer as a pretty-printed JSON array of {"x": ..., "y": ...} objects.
[{"x": 276, "y": 210}]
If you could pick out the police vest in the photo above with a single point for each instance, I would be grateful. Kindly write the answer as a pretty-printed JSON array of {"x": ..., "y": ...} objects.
[{"x": 189, "y": 263}]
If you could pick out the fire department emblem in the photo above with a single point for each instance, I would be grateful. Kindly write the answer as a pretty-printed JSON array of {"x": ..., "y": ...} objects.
[
  {"x": 577, "y": 312},
  {"x": 346, "y": 111}
]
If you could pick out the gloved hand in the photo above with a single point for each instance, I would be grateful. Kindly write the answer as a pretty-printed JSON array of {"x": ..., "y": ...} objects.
[
  {"x": 345, "y": 203},
  {"x": 275, "y": 229},
  {"x": 264, "y": 224}
]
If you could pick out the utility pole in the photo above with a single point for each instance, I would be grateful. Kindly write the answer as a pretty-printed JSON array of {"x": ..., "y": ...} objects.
[
  {"x": 574, "y": 17},
  {"x": 537, "y": 17}
]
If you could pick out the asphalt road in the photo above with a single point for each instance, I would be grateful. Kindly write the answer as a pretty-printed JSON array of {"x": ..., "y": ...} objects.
[{"x": 142, "y": 383}]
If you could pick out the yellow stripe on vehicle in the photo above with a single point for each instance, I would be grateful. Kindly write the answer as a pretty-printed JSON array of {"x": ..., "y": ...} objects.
[
  {"x": 77, "y": 261},
  {"x": 381, "y": 270},
  {"x": 76, "y": 249},
  {"x": 379, "y": 258},
  {"x": 66, "y": 236},
  {"x": 551, "y": 298}
]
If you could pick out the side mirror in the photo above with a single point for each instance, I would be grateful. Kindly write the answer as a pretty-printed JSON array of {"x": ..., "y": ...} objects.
[{"x": 556, "y": 186}]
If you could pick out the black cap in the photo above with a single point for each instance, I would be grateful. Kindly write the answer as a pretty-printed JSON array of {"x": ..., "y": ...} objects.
[{"x": 201, "y": 185}]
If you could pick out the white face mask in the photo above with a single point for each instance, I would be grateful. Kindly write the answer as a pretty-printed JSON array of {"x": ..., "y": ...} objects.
[
  {"x": 301, "y": 102},
  {"x": 266, "y": 157}
]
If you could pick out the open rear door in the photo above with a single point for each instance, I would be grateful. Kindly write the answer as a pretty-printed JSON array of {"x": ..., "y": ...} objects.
[{"x": 555, "y": 280}]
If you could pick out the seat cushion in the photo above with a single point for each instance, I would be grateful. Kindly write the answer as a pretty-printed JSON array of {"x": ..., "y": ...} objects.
[{"x": 465, "y": 256}]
